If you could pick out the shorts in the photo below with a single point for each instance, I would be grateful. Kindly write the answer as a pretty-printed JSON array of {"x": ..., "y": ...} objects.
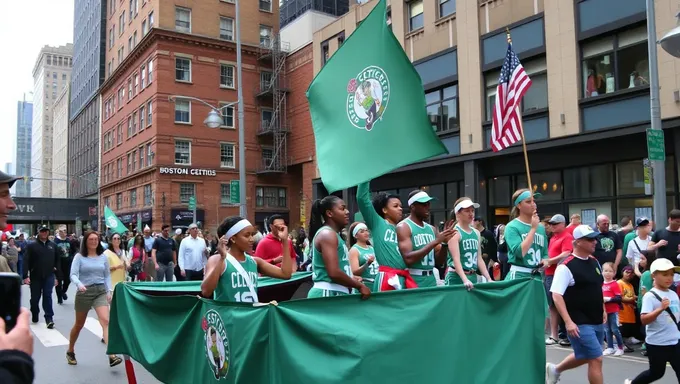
[
  {"x": 318, "y": 292},
  {"x": 547, "y": 282},
  {"x": 425, "y": 281},
  {"x": 93, "y": 297},
  {"x": 588, "y": 345}
]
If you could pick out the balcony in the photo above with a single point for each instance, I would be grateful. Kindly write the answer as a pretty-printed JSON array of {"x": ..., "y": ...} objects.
[
  {"x": 271, "y": 166},
  {"x": 267, "y": 87},
  {"x": 270, "y": 127}
]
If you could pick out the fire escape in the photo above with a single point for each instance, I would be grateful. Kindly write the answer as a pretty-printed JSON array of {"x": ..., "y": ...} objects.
[{"x": 271, "y": 95}]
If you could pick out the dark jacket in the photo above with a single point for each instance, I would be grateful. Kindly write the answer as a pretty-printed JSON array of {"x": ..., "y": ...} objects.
[
  {"x": 41, "y": 260},
  {"x": 16, "y": 367}
]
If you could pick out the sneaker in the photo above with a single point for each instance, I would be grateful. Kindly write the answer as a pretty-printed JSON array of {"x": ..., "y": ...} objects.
[
  {"x": 551, "y": 374},
  {"x": 565, "y": 343},
  {"x": 64, "y": 297},
  {"x": 114, "y": 360},
  {"x": 608, "y": 351},
  {"x": 628, "y": 381},
  {"x": 71, "y": 358},
  {"x": 619, "y": 352},
  {"x": 50, "y": 324},
  {"x": 633, "y": 340},
  {"x": 550, "y": 341},
  {"x": 628, "y": 349}
]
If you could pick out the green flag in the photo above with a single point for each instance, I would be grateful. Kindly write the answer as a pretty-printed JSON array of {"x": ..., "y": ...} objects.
[
  {"x": 113, "y": 222},
  {"x": 368, "y": 108}
]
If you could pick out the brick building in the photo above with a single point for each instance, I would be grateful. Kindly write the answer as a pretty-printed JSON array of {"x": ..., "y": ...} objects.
[{"x": 156, "y": 152}]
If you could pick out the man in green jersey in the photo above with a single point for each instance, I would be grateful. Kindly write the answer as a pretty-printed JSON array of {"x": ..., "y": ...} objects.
[
  {"x": 526, "y": 238},
  {"x": 420, "y": 243}
]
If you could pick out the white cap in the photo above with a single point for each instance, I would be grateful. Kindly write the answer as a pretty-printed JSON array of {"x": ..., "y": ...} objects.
[
  {"x": 662, "y": 265},
  {"x": 146, "y": 228},
  {"x": 465, "y": 204},
  {"x": 584, "y": 231},
  {"x": 178, "y": 231}
]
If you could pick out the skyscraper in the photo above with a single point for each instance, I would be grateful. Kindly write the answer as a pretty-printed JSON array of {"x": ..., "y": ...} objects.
[{"x": 23, "y": 159}]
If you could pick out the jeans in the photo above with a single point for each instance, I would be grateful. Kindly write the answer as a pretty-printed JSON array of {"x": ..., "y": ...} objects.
[
  {"x": 658, "y": 355},
  {"x": 612, "y": 330},
  {"x": 64, "y": 280},
  {"x": 165, "y": 271},
  {"x": 42, "y": 287}
]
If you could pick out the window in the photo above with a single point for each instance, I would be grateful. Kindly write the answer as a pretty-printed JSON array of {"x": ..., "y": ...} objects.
[
  {"x": 615, "y": 62},
  {"x": 147, "y": 195},
  {"x": 549, "y": 184},
  {"x": 265, "y": 35},
  {"x": 150, "y": 66},
  {"x": 136, "y": 83},
  {"x": 265, "y": 80},
  {"x": 133, "y": 198},
  {"x": 266, "y": 5},
  {"x": 228, "y": 118},
  {"x": 119, "y": 170},
  {"x": 130, "y": 44},
  {"x": 121, "y": 24},
  {"x": 120, "y": 133},
  {"x": 183, "y": 152},
  {"x": 141, "y": 157},
  {"x": 325, "y": 55},
  {"x": 442, "y": 109},
  {"x": 630, "y": 177},
  {"x": 121, "y": 96},
  {"x": 182, "y": 69},
  {"x": 415, "y": 15},
  {"x": 183, "y": 111},
  {"x": 148, "y": 114},
  {"x": 134, "y": 161},
  {"x": 183, "y": 19},
  {"x": 267, "y": 156},
  {"x": 129, "y": 163},
  {"x": 119, "y": 200},
  {"x": 149, "y": 155},
  {"x": 226, "y": 155},
  {"x": 134, "y": 39},
  {"x": 129, "y": 130},
  {"x": 536, "y": 98},
  {"x": 226, "y": 76},
  {"x": 142, "y": 73},
  {"x": 266, "y": 115},
  {"x": 132, "y": 8},
  {"x": 142, "y": 117},
  {"x": 134, "y": 122},
  {"x": 150, "y": 20},
  {"x": 272, "y": 197},
  {"x": 144, "y": 28},
  {"x": 225, "y": 194},
  {"x": 447, "y": 7},
  {"x": 111, "y": 36},
  {"x": 120, "y": 55},
  {"x": 186, "y": 191},
  {"x": 588, "y": 182},
  {"x": 130, "y": 89},
  {"x": 226, "y": 28}
]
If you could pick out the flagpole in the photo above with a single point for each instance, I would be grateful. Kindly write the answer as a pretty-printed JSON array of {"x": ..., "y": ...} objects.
[{"x": 521, "y": 132}]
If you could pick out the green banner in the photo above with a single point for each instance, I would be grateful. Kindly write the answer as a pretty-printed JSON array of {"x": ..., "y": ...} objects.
[
  {"x": 493, "y": 334},
  {"x": 112, "y": 221}
]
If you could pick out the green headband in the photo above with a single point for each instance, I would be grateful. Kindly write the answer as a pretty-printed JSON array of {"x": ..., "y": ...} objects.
[{"x": 525, "y": 195}]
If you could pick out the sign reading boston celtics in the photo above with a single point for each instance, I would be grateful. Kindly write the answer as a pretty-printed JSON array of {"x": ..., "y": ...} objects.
[
  {"x": 368, "y": 96},
  {"x": 216, "y": 344}
]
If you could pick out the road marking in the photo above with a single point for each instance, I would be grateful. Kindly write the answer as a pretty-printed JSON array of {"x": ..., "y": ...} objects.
[
  {"x": 642, "y": 360},
  {"x": 92, "y": 325},
  {"x": 48, "y": 337}
]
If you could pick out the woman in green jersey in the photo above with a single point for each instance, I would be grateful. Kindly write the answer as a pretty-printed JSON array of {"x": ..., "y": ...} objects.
[
  {"x": 231, "y": 274},
  {"x": 525, "y": 237},
  {"x": 465, "y": 252},
  {"x": 362, "y": 255},
  {"x": 331, "y": 272}
]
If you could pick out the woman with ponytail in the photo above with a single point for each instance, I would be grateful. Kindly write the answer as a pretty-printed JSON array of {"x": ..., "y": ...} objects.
[
  {"x": 231, "y": 274},
  {"x": 526, "y": 238},
  {"x": 362, "y": 255},
  {"x": 465, "y": 253},
  {"x": 332, "y": 274}
]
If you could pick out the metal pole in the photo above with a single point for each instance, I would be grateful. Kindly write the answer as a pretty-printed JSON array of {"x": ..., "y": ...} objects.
[
  {"x": 243, "y": 212},
  {"x": 658, "y": 167},
  {"x": 194, "y": 222}
]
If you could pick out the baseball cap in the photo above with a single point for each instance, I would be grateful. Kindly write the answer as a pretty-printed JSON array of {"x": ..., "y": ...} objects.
[
  {"x": 8, "y": 179},
  {"x": 178, "y": 231},
  {"x": 584, "y": 231},
  {"x": 557, "y": 219},
  {"x": 43, "y": 228},
  {"x": 641, "y": 221},
  {"x": 192, "y": 226},
  {"x": 465, "y": 204},
  {"x": 420, "y": 197},
  {"x": 661, "y": 264}
]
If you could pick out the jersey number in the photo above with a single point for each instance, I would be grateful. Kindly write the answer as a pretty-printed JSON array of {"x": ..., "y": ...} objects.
[
  {"x": 470, "y": 260},
  {"x": 534, "y": 256},
  {"x": 428, "y": 261},
  {"x": 244, "y": 297},
  {"x": 348, "y": 270},
  {"x": 373, "y": 268}
]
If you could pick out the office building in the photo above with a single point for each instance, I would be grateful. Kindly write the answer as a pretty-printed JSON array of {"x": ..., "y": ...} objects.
[
  {"x": 292, "y": 9},
  {"x": 51, "y": 74},
  {"x": 60, "y": 142},
  {"x": 23, "y": 151}
]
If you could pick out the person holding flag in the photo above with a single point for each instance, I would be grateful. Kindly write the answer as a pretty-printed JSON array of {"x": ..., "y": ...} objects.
[{"x": 526, "y": 238}]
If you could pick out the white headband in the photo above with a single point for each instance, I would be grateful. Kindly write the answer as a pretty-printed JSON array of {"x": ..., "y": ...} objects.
[
  {"x": 238, "y": 227},
  {"x": 465, "y": 204},
  {"x": 417, "y": 196},
  {"x": 358, "y": 228}
]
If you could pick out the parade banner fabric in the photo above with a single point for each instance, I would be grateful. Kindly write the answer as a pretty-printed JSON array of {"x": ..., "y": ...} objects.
[
  {"x": 113, "y": 222},
  {"x": 368, "y": 108},
  {"x": 433, "y": 335}
]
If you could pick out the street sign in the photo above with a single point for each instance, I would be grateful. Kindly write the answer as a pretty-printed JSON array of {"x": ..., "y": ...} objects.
[
  {"x": 192, "y": 203},
  {"x": 656, "y": 148},
  {"x": 234, "y": 192}
]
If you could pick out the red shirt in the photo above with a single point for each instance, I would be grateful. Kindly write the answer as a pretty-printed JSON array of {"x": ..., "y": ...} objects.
[
  {"x": 610, "y": 290},
  {"x": 570, "y": 228},
  {"x": 270, "y": 248},
  {"x": 559, "y": 243}
]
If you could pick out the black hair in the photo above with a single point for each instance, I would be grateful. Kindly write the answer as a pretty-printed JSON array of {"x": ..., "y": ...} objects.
[
  {"x": 274, "y": 217},
  {"x": 380, "y": 201},
  {"x": 226, "y": 225},
  {"x": 674, "y": 214},
  {"x": 650, "y": 256},
  {"x": 83, "y": 244},
  {"x": 413, "y": 193},
  {"x": 317, "y": 217},
  {"x": 165, "y": 226},
  {"x": 352, "y": 239}
]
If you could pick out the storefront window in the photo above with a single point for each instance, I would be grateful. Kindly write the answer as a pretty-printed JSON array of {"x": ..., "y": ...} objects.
[
  {"x": 549, "y": 184},
  {"x": 590, "y": 210},
  {"x": 499, "y": 191},
  {"x": 588, "y": 182},
  {"x": 436, "y": 191},
  {"x": 634, "y": 208},
  {"x": 630, "y": 177},
  {"x": 454, "y": 191},
  {"x": 403, "y": 196}
]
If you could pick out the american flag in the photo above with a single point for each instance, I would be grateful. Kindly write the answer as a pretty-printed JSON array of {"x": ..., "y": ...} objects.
[{"x": 512, "y": 85}]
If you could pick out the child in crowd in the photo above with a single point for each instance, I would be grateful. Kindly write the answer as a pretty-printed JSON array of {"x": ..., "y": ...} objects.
[
  {"x": 629, "y": 327},
  {"x": 660, "y": 313},
  {"x": 611, "y": 291}
]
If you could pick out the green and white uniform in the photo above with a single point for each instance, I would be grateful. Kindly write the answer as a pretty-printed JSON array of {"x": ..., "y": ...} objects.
[
  {"x": 468, "y": 246},
  {"x": 323, "y": 285},
  {"x": 232, "y": 286},
  {"x": 522, "y": 265},
  {"x": 372, "y": 270},
  {"x": 422, "y": 271}
]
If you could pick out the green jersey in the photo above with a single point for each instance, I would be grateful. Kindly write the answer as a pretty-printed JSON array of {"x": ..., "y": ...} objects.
[
  {"x": 515, "y": 232},
  {"x": 319, "y": 271},
  {"x": 232, "y": 286},
  {"x": 383, "y": 233},
  {"x": 420, "y": 237},
  {"x": 469, "y": 249},
  {"x": 371, "y": 270}
]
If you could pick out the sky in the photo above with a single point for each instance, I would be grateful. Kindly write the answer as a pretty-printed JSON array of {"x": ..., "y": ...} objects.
[{"x": 29, "y": 25}]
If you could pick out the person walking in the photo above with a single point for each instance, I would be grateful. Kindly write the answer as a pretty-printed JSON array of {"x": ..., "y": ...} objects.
[
  {"x": 577, "y": 294},
  {"x": 560, "y": 247},
  {"x": 164, "y": 255},
  {"x": 65, "y": 259},
  {"x": 193, "y": 255},
  {"x": 40, "y": 272}
]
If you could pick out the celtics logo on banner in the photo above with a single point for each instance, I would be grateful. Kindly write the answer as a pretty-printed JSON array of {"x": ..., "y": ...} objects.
[
  {"x": 368, "y": 95},
  {"x": 216, "y": 344}
]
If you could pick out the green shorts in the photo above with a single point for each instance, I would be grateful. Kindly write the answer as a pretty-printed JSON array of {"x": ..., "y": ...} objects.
[
  {"x": 425, "y": 281},
  {"x": 317, "y": 292}
]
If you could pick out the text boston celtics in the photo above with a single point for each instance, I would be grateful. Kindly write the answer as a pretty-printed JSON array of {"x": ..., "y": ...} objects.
[{"x": 188, "y": 171}]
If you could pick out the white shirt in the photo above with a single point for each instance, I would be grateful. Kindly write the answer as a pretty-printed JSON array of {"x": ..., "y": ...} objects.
[
  {"x": 563, "y": 278},
  {"x": 192, "y": 253},
  {"x": 633, "y": 254},
  {"x": 662, "y": 331}
]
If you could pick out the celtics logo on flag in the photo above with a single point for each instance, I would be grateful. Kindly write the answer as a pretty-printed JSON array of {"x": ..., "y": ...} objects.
[
  {"x": 216, "y": 344},
  {"x": 368, "y": 95}
]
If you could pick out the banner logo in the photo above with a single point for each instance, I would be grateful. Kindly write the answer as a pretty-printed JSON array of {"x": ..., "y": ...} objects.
[
  {"x": 368, "y": 96},
  {"x": 216, "y": 344},
  {"x": 112, "y": 222}
]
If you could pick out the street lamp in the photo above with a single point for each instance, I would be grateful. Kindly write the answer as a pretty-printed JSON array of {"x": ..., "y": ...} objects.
[{"x": 671, "y": 41}]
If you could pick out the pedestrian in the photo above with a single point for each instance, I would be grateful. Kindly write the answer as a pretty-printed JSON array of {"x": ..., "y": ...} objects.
[
  {"x": 361, "y": 255},
  {"x": 560, "y": 246},
  {"x": 332, "y": 272},
  {"x": 12, "y": 254},
  {"x": 464, "y": 247},
  {"x": 608, "y": 247},
  {"x": 65, "y": 259},
  {"x": 41, "y": 270},
  {"x": 666, "y": 241},
  {"x": 164, "y": 255},
  {"x": 193, "y": 255},
  {"x": 630, "y": 325},
  {"x": 91, "y": 274},
  {"x": 577, "y": 293},
  {"x": 639, "y": 243},
  {"x": 420, "y": 243},
  {"x": 118, "y": 260},
  {"x": 526, "y": 238},
  {"x": 149, "y": 270},
  {"x": 611, "y": 293},
  {"x": 21, "y": 246},
  {"x": 270, "y": 248},
  {"x": 177, "y": 272},
  {"x": 660, "y": 313},
  {"x": 232, "y": 274}
]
